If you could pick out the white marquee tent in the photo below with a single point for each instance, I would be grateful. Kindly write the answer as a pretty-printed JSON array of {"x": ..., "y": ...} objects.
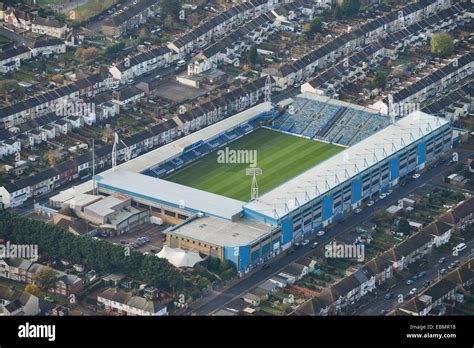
[{"x": 179, "y": 257}]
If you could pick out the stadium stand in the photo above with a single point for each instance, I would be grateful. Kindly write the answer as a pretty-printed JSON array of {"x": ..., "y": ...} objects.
[{"x": 327, "y": 121}]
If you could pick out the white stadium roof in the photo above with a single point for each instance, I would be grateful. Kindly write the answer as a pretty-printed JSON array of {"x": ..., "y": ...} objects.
[
  {"x": 167, "y": 192},
  {"x": 326, "y": 175}
]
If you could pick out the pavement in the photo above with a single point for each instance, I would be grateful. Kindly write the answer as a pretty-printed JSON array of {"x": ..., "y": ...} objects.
[{"x": 218, "y": 299}]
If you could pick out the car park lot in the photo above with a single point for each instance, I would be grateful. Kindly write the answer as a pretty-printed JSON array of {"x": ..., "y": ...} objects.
[{"x": 146, "y": 238}]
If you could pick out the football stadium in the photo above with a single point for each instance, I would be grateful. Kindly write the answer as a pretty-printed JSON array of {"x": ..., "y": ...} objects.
[{"x": 249, "y": 186}]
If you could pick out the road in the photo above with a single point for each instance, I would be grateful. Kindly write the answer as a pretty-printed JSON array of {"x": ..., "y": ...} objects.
[
  {"x": 401, "y": 288},
  {"x": 348, "y": 223}
]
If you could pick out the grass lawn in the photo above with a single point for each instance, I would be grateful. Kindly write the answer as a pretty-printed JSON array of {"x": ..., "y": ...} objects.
[
  {"x": 92, "y": 8},
  {"x": 280, "y": 156}
]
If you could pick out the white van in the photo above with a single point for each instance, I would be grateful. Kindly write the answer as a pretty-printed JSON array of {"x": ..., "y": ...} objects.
[
  {"x": 459, "y": 247},
  {"x": 181, "y": 62}
]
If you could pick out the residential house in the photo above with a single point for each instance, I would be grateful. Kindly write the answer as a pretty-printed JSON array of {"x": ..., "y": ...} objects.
[
  {"x": 49, "y": 26},
  {"x": 135, "y": 15},
  {"x": 460, "y": 216},
  {"x": 440, "y": 231},
  {"x": 15, "y": 302},
  {"x": 117, "y": 302}
]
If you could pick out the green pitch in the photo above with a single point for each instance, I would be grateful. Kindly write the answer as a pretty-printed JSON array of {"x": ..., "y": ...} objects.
[{"x": 280, "y": 156}]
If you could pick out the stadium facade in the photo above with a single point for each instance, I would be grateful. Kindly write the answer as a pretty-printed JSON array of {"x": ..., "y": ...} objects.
[{"x": 249, "y": 233}]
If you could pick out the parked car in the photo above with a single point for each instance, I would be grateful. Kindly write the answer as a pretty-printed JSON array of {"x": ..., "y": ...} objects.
[
  {"x": 416, "y": 176},
  {"x": 320, "y": 233},
  {"x": 421, "y": 274},
  {"x": 443, "y": 271},
  {"x": 388, "y": 296},
  {"x": 305, "y": 242},
  {"x": 441, "y": 260},
  {"x": 409, "y": 281},
  {"x": 371, "y": 203},
  {"x": 383, "y": 195},
  {"x": 358, "y": 211},
  {"x": 389, "y": 192},
  {"x": 314, "y": 245},
  {"x": 426, "y": 283},
  {"x": 413, "y": 291},
  {"x": 290, "y": 251}
]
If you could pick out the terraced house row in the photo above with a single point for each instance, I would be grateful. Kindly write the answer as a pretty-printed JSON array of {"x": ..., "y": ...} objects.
[
  {"x": 230, "y": 48},
  {"x": 429, "y": 86},
  {"x": 42, "y": 104},
  {"x": 356, "y": 66},
  {"x": 132, "y": 17},
  {"x": 300, "y": 70},
  {"x": 219, "y": 25}
]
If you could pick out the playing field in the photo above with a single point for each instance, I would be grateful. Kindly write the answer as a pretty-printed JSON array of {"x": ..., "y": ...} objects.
[{"x": 280, "y": 157}]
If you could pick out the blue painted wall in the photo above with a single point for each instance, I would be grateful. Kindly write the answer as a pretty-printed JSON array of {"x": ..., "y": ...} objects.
[
  {"x": 356, "y": 190},
  {"x": 327, "y": 207},
  {"x": 421, "y": 153},
  {"x": 287, "y": 231},
  {"x": 394, "y": 165}
]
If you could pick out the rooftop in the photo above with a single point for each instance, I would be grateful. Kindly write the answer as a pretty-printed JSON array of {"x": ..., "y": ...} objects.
[
  {"x": 158, "y": 190},
  {"x": 223, "y": 233}
]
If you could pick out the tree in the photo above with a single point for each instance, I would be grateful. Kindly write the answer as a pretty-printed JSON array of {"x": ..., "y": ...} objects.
[
  {"x": 7, "y": 85},
  {"x": 107, "y": 134},
  {"x": 350, "y": 7},
  {"x": 338, "y": 14},
  {"x": 315, "y": 26},
  {"x": 380, "y": 80},
  {"x": 143, "y": 33},
  {"x": 46, "y": 279},
  {"x": 84, "y": 54},
  {"x": 114, "y": 49},
  {"x": 169, "y": 22},
  {"x": 52, "y": 157},
  {"x": 253, "y": 55},
  {"x": 170, "y": 8},
  {"x": 32, "y": 289},
  {"x": 442, "y": 44},
  {"x": 403, "y": 226}
]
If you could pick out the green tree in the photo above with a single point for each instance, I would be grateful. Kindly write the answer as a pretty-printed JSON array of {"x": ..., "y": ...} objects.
[
  {"x": 380, "y": 80},
  {"x": 442, "y": 44},
  {"x": 46, "y": 279},
  {"x": 315, "y": 26},
  {"x": 350, "y": 7},
  {"x": 403, "y": 226},
  {"x": 114, "y": 49},
  {"x": 170, "y": 8},
  {"x": 253, "y": 55}
]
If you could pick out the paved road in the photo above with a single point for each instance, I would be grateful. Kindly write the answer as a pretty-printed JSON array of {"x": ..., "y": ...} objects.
[
  {"x": 432, "y": 272},
  {"x": 344, "y": 225}
]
